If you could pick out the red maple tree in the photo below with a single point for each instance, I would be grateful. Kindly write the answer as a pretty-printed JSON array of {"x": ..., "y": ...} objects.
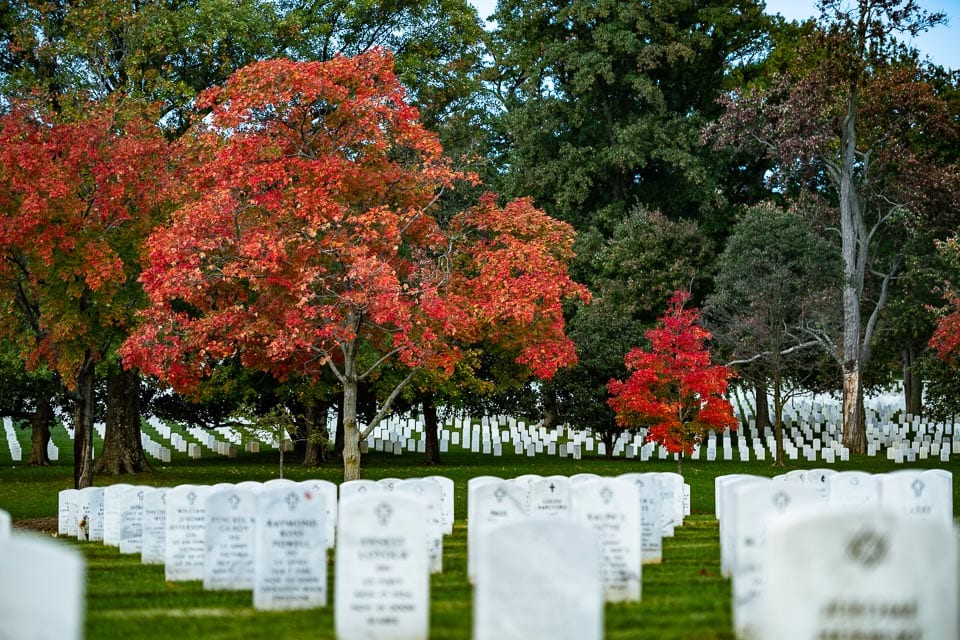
[
  {"x": 673, "y": 389},
  {"x": 78, "y": 193},
  {"x": 311, "y": 243}
]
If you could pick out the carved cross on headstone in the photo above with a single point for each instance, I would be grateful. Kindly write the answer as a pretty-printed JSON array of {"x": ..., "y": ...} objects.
[
  {"x": 553, "y": 487},
  {"x": 869, "y": 548},
  {"x": 383, "y": 513},
  {"x": 191, "y": 498},
  {"x": 292, "y": 501},
  {"x": 918, "y": 487},
  {"x": 500, "y": 494},
  {"x": 781, "y": 500},
  {"x": 234, "y": 501},
  {"x": 606, "y": 495}
]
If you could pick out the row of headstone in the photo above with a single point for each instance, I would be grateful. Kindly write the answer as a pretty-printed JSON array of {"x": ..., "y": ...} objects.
[
  {"x": 629, "y": 514},
  {"x": 751, "y": 508}
]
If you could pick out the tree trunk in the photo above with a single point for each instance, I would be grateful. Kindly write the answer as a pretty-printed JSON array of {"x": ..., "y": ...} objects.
[
  {"x": 549, "y": 400},
  {"x": 778, "y": 421},
  {"x": 40, "y": 423},
  {"x": 762, "y": 414},
  {"x": 912, "y": 383},
  {"x": 608, "y": 437},
  {"x": 854, "y": 248},
  {"x": 680, "y": 463},
  {"x": 351, "y": 432},
  {"x": 83, "y": 425},
  {"x": 854, "y": 429},
  {"x": 122, "y": 447},
  {"x": 431, "y": 427},
  {"x": 338, "y": 432},
  {"x": 316, "y": 434}
]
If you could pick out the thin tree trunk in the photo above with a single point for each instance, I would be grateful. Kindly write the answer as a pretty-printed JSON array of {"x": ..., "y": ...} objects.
[
  {"x": 778, "y": 420},
  {"x": 316, "y": 430},
  {"x": 912, "y": 383},
  {"x": 122, "y": 448},
  {"x": 431, "y": 426},
  {"x": 40, "y": 423},
  {"x": 762, "y": 414},
  {"x": 83, "y": 425},
  {"x": 351, "y": 432}
]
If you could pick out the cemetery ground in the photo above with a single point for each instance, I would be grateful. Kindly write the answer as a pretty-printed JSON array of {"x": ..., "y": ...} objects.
[{"x": 684, "y": 597}]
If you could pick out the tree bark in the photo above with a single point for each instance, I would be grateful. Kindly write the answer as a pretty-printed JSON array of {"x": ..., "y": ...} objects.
[
  {"x": 912, "y": 383},
  {"x": 854, "y": 424},
  {"x": 778, "y": 460},
  {"x": 316, "y": 434},
  {"x": 762, "y": 414},
  {"x": 40, "y": 423},
  {"x": 122, "y": 448},
  {"x": 83, "y": 424},
  {"x": 351, "y": 432},
  {"x": 431, "y": 427}
]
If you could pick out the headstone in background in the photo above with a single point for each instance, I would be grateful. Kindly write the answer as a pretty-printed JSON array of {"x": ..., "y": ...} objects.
[
  {"x": 539, "y": 578},
  {"x": 919, "y": 494},
  {"x": 290, "y": 550},
  {"x": 382, "y": 570},
  {"x": 66, "y": 512},
  {"x": 491, "y": 504},
  {"x": 90, "y": 514},
  {"x": 650, "y": 518},
  {"x": 111, "y": 513},
  {"x": 447, "y": 491},
  {"x": 229, "y": 516},
  {"x": 611, "y": 507},
  {"x": 863, "y": 574},
  {"x": 184, "y": 546},
  {"x": 551, "y": 497},
  {"x": 328, "y": 490},
  {"x": 41, "y": 589},
  {"x": 853, "y": 489},
  {"x": 429, "y": 493},
  {"x": 359, "y": 488},
  {"x": 131, "y": 520},
  {"x": 153, "y": 542}
]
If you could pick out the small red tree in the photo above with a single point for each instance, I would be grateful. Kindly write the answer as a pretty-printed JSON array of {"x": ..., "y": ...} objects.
[{"x": 673, "y": 390}]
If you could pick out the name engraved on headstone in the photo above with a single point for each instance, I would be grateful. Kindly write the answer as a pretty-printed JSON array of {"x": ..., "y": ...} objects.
[{"x": 290, "y": 556}]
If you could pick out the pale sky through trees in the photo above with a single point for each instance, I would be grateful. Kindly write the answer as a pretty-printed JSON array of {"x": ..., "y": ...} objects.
[{"x": 940, "y": 43}]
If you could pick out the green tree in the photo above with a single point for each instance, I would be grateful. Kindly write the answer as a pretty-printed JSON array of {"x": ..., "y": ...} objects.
[
  {"x": 851, "y": 123},
  {"x": 771, "y": 306}
]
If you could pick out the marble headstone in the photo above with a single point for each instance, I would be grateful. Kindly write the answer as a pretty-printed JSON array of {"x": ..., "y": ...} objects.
[
  {"x": 154, "y": 524},
  {"x": 382, "y": 585},
  {"x": 539, "y": 579},
  {"x": 184, "y": 534},
  {"x": 67, "y": 512},
  {"x": 290, "y": 549},
  {"x": 41, "y": 589},
  {"x": 112, "y": 506},
  {"x": 611, "y": 507},
  {"x": 860, "y": 574},
  {"x": 229, "y": 516},
  {"x": 90, "y": 514},
  {"x": 650, "y": 518}
]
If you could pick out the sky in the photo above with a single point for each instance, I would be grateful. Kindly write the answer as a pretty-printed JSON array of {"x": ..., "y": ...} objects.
[{"x": 941, "y": 44}]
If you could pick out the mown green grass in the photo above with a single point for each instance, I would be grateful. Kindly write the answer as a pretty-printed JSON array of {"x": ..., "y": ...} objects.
[{"x": 685, "y": 597}]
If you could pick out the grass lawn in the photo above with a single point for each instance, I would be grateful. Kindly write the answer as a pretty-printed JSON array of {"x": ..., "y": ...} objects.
[{"x": 685, "y": 597}]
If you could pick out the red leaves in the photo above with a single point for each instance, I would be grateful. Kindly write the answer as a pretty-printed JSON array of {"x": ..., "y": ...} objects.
[
  {"x": 311, "y": 230},
  {"x": 673, "y": 389}
]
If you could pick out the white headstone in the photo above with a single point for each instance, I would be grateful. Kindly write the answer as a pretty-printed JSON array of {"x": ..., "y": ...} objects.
[
  {"x": 860, "y": 574},
  {"x": 551, "y": 497},
  {"x": 382, "y": 583},
  {"x": 154, "y": 524},
  {"x": 41, "y": 590},
  {"x": 856, "y": 489},
  {"x": 491, "y": 504},
  {"x": 648, "y": 485},
  {"x": 756, "y": 506},
  {"x": 328, "y": 490},
  {"x": 229, "y": 517},
  {"x": 66, "y": 512},
  {"x": 184, "y": 544},
  {"x": 290, "y": 552},
  {"x": 90, "y": 514},
  {"x": 611, "y": 507},
  {"x": 429, "y": 493},
  {"x": 112, "y": 506},
  {"x": 447, "y": 491},
  {"x": 920, "y": 494},
  {"x": 5, "y": 525},
  {"x": 539, "y": 578},
  {"x": 131, "y": 520},
  {"x": 359, "y": 488}
]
